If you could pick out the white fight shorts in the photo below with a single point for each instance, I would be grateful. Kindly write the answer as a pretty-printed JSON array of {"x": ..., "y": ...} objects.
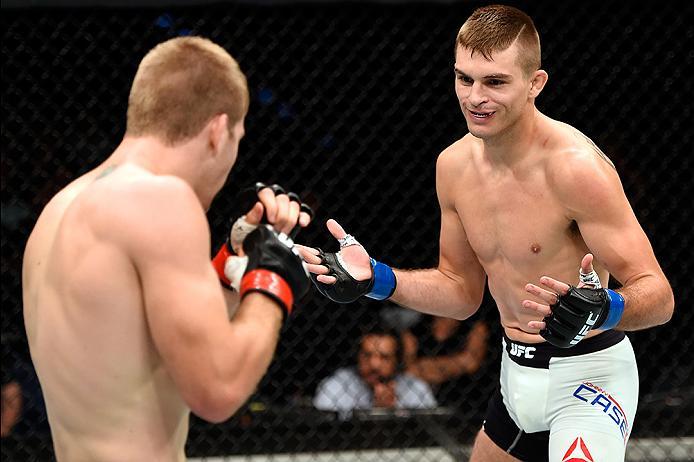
[{"x": 574, "y": 404}]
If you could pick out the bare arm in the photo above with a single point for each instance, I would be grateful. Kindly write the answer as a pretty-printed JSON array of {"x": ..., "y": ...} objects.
[
  {"x": 612, "y": 232},
  {"x": 216, "y": 364},
  {"x": 454, "y": 289},
  {"x": 232, "y": 301},
  {"x": 439, "y": 369},
  {"x": 11, "y": 406}
]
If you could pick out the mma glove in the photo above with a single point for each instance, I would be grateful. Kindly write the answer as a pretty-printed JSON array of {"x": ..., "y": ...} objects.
[
  {"x": 274, "y": 268},
  {"x": 580, "y": 310},
  {"x": 229, "y": 265},
  {"x": 346, "y": 289}
]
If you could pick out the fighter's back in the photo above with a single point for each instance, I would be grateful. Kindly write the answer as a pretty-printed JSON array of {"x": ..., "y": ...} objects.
[{"x": 84, "y": 312}]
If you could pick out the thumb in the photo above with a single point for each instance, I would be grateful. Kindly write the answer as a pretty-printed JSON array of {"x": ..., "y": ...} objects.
[
  {"x": 335, "y": 229},
  {"x": 587, "y": 275},
  {"x": 587, "y": 263},
  {"x": 254, "y": 216}
]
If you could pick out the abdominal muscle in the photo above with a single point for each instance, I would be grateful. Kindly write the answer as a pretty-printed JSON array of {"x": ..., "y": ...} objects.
[{"x": 507, "y": 287}]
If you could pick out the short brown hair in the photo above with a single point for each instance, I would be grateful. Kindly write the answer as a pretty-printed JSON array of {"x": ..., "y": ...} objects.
[
  {"x": 495, "y": 28},
  {"x": 180, "y": 85}
]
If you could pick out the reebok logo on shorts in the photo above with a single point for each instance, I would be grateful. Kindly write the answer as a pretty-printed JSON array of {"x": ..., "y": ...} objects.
[
  {"x": 577, "y": 452},
  {"x": 603, "y": 401}
]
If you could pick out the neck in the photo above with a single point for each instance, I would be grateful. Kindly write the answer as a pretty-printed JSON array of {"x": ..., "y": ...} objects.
[
  {"x": 153, "y": 155},
  {"x": 515, "y": 143}
]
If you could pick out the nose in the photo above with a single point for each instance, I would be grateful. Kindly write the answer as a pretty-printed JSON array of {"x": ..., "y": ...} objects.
[
  {"x": 477, "y": 96},
  {"x": 374, "y": 362}
]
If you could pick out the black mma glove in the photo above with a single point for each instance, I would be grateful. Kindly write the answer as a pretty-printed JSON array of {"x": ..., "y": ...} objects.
[
  {"x": 346, "y": 289},
  {"x": 274, "y": 268},
  {"x": 579, "y": 311},
  {"x": 249, "y": 197},
  {"x": 230, "y": 270}
]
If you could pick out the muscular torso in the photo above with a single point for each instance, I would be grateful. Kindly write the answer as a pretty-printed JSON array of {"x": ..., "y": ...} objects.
[
  {"x": 107, "y": 394},
  {"x": 517, "y": 226}
]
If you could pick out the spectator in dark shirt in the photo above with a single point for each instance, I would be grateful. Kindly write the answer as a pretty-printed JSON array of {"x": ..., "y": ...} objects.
[{"x": 447, "y": 353}]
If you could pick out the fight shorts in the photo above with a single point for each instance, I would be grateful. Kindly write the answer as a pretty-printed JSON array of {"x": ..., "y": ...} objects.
[{"x": 574, "y": 404}]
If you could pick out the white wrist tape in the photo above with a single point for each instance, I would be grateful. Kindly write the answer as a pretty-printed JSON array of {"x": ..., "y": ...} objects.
[
  {"x": 239, "y": 230},
  {"x": 347, "y": 241},
  {"x": 590, "y": 279},
  {"x": 234, "y": 268}
]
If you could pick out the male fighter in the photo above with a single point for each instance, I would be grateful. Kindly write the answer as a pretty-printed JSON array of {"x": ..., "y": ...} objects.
[
  {"x": 523, "y": 199},
  {"x": 126, "y": 318}
]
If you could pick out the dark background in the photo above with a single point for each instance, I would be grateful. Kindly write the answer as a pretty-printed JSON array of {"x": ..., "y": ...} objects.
[{"x": 350, "y": 105}]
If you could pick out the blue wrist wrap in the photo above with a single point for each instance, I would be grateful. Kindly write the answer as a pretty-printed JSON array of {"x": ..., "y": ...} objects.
[
  {"x": 614, "y": 315},
  {"x": 384, "y": 281}
]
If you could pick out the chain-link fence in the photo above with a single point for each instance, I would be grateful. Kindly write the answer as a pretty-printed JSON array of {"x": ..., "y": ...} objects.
[{"x": 351, "y": 103}]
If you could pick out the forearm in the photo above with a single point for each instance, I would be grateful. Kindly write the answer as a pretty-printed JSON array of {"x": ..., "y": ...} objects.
[
  {"x": 438, "y": 369},
  {"x": 432, "y": 291},
  {"x": 11, "y": 406},
  {"x": 648, "y": 302},
  {"x": 232, "y": 300},
  {"x": 254, "y": 336},
  {"x": 239, "y": 360}
]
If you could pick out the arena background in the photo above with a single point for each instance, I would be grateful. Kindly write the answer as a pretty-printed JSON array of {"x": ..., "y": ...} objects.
[{"x": 350, "y": 105}]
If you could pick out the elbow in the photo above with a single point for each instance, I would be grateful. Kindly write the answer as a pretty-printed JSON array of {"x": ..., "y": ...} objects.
[
  {"x": 462, "y": 296},
  {"x": 217, "y": 404},
  {"x": 662, "y": 305},
  {"x": 467, "y": 306},
  {"x": 462, "y": 314},
  {"x": 668, "y": 307}
]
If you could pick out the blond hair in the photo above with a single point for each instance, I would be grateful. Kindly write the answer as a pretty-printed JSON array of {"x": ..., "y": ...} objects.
[
  {"x": 180, "y": 85},
  {"x": 495, "y": 28}
]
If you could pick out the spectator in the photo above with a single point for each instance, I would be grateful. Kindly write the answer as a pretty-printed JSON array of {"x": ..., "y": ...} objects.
[
  {"x": 443, "y": 349},
  {"x": 378, "y": 380},
  {"x": 11, "y": 406},
  {"x": 448, "y": 353}
]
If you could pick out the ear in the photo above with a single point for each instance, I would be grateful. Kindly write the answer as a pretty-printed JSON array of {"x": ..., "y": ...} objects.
[
  {"x": 537, "y": 83},
  {"x": 218, "y": 130}
]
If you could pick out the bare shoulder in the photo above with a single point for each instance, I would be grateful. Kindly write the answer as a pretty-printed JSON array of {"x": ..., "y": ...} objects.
[
  {"x": 458, "y": 154},
  {"x": 147, "y": 205},
  {"x": 145, "y": 193},
  {"x": 455, "y": 160},
  {"x": 51, "y": 216},
  {"x": 574, "y": 147},
  {"x": 577, "y": 169}
]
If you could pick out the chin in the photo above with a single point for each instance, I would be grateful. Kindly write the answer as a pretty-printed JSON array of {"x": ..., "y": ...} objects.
[
  {"x": 477, "y": 133},
  {"x": 483, "y": 133}
]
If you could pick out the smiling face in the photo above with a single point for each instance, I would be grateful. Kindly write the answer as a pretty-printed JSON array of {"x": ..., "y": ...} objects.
[
  {"x": 493, "y": 93},
  {"x": 497, "y": 67}
]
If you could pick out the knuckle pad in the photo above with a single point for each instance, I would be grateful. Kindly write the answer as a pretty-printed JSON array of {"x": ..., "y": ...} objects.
[{"x": 277, "y": 189}]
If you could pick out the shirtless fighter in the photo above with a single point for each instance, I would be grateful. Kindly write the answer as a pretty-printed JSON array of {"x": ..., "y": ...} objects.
[
  {"x": 127, "y": 321},
  {"x": 524, "y": 199}
]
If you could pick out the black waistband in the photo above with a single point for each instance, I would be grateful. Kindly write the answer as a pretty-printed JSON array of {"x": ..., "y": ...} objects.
[{"x": 539, "y": 354}]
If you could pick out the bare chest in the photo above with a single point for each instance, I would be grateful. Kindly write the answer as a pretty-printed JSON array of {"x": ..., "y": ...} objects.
[{"x": 512, "y": 220}]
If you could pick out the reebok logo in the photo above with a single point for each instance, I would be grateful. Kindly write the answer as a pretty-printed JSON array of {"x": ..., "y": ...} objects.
[{"x": 577, "y": 452}]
